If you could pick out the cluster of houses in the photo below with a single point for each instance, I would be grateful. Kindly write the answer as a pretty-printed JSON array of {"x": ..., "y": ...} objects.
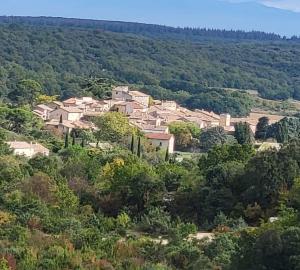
[{"x": 152, "y": 117}]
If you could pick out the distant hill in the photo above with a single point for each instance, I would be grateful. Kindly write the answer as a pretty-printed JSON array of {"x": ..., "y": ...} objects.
[
  {"x": 149, "y": 30},
  {"x": 62, "y": 53},
  {"x": 245, "y": 15}
]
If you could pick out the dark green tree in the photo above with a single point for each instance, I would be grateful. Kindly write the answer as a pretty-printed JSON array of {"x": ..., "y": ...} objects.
[
  {"x": 285, "y": 130},
  {"x": 99, "y": 87},
  {"x": 132, "y": 144},
  {"x": 167, "y": 158},
  {"x": 67, "y": 139},
  {"x": 214, "y": 136},
  {"x": 262, "y": 128},
  {"x": 243, "y": 133},
  {"x": 26, "y": 91},
  {"x": 139, "y": 149},
  {"x": 73, "y": 138}
]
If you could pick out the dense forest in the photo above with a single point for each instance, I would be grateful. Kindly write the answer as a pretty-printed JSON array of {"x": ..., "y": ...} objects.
[
  {"x": 61, "y": 54},
  {"x": 150, "y": 30},
  {"x": 132, "y": 207}
]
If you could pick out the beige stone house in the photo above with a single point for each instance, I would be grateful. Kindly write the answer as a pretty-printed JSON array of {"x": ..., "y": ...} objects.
[
  {"x": 123, "y": 93},
  {"x": 140, "y": 97},
  {"x": 55, "y": 104},
  {"x": 28, "y": 150},
  {"x": 161, "y": 140},
  {"x": 67, "y": 126},
  {"x": 43, "y": 111},
  {"x": 66, "y": 113},
  {"x": 129, "y": 107}
]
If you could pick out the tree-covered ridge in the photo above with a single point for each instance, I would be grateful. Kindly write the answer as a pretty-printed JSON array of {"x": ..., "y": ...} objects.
[
  {"x": 61, "y": 58},
  {"x": 151, "y": 30}
]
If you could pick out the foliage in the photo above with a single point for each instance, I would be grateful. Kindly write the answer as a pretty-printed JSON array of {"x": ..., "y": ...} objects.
[
  {"x": 156, "y": 221},
  {"x": 214, "y": 136},
  {"x": 25, "y": 91},
  {"x": 262, "y": 128},
  {"x": 19, "y": 120},
  {"x": 285, "y": 130},
  {"x": 99, "y": 87},
  {"x": 243, "y": 133},
  {"x": 113, "y": 127},
  {"x": 185, "y": 134}
]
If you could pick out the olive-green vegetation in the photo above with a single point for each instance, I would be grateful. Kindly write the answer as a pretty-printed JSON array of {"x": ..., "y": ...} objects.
[
  {"x": 128, "y": 208},
  {"x": 186, "y": 135},
  {"x": 58, "y": 57},
  {"x": 243, "y": 133}
]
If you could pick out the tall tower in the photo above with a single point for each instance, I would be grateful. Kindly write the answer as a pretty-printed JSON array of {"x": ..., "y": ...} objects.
[{"x": 225, "y": 120}]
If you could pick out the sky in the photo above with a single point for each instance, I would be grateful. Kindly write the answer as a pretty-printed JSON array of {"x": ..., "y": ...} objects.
[
  {"x": 292, "y": 5},
  {"x": 278, "y": 16}
]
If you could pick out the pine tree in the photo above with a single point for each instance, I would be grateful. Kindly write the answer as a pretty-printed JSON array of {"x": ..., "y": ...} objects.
[
  {"x": 132, "y": 145},
  {"x": 139, "y": 152},
  {"x": 67, "y": 139}
]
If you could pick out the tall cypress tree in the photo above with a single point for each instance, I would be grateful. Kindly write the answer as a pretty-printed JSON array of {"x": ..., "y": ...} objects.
[
  {"x": 73, "y": 138},
  {"x": 139, "y": 152},
  {"x": 82, "y": 142},
  {"x": 132, "y": 145},
  {"x": 67, "y": 139},
  {"x": 167, "y": 157}
]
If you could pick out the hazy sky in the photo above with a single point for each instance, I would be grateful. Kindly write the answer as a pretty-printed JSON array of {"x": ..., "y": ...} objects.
[
  {"x": 279, "y": 16},
  {"x": 293, "y": 5}
]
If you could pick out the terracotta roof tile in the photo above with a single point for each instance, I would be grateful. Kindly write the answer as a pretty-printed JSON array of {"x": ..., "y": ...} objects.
[{"x": 159, "y": 136}]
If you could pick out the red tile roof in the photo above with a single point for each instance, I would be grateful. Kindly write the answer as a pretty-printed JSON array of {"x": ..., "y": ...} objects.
[
  {"x": 70, "y": 101},
  {"x": 159, "y": 136}
]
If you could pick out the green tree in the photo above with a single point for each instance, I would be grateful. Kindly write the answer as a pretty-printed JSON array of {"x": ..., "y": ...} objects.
[
  {"x": 19, "y": 120},
  {"x": 167, "y": 158},
  {"x": 222, "y": 249},
  {"x": 4, "y": 148},
  {"x": 26, "y": 91},
  {"x": 285, "y": 130},
  {"x": 226, "y": 153},
  {"x": 99, "y": 87},
  {"x": 261, "y": 128},
  {"x": 266, "y": 176},
  {"x": 139, "y": 150},
  {"x": 113, "y": 127},
  {"x": 134, "y": 182},
  {"x": 184, "y": 134},
  {"x": 156, "y": 221},
  {"x": 132, "y": 144},
  {"x": 67, "y": 139},
  {"x": 243, "y": 133},
  {"x": 214, "y": 136}
]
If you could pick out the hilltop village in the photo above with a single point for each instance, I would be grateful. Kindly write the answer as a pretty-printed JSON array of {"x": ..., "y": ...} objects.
[{"x": 152, "y": 117}]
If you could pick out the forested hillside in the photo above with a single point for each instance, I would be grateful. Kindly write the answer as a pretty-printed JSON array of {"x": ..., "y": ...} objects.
[
  {"x": 133, "y": 207},
  {"x": 61, "y": 55}
]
